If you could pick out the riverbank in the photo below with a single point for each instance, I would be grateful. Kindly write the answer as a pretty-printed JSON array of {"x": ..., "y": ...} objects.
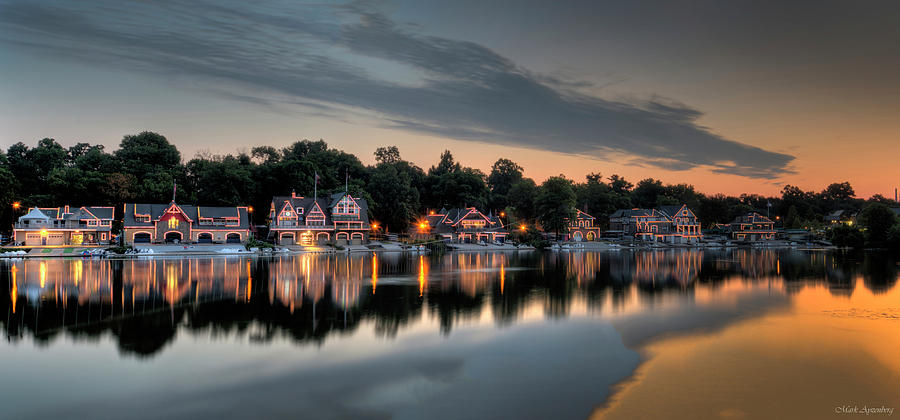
[{"x": 150, "y": 250}]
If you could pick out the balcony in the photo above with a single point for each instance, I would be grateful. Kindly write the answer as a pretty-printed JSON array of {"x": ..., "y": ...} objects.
[
  {"x": 62, "y": 225},
  {"x": 346, "y": 218}
]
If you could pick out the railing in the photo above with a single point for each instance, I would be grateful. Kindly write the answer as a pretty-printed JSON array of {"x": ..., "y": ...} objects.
[
  {"x": 346, "y": 218},
  {"x": 66, "y": 225}
]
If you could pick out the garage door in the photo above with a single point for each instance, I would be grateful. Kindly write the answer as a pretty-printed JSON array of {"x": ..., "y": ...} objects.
[
  {"x": 204, "y": 238},
  {"x": 233, "y": 238},
  {"x": 142, "y": 238}
]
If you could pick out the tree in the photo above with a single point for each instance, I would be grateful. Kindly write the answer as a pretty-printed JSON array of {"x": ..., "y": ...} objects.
[
  {"x": 595, "y": 197},
  {"x": 846, "y": 237},
  {"x": 390, "y": 154},
  {"x": 878, "y": 198},
  {"x": 154, "y": 163},
  {"x": 647, "y": 192},
  {"x": 792, "y": 220},
  {"x": 394, "y": 199},
  {"x": 445, "y": 166},
  {"x": 265, "y": 154},
  {"x": 621, "y": 191},
  {"x": 838, "y": 192},
  {"x": 555, "y": 204},
  {"x": 713, "y": 210},
  {"x": 146, "y": 153},
  {"x": 221, "y": 180},
  {"x": 463, "y": 188},
  {"x": 521, "y": 200},
  {"x": 504, "y": 174},
  {"x": 877, "y": 219},
  {"x": 8, "y": 188}
]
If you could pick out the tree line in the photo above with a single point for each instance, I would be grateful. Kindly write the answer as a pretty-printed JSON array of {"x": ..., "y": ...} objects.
[{"x": 146, "y": 165}]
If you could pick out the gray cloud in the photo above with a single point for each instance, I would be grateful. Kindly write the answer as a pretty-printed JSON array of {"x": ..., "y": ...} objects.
[{"x": 351, "y": 56}]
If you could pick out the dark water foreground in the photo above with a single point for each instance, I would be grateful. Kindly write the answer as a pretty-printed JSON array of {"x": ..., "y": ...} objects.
[{"x": 648, "y": 334}]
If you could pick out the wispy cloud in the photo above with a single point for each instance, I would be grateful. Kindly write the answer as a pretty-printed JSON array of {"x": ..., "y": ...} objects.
[{"x": 355, "y": 56}]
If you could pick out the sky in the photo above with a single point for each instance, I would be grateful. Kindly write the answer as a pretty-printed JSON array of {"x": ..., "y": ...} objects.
[{"x": 732, "y": 97}]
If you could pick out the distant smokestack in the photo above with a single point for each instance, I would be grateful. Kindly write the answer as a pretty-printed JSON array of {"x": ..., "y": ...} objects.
[{"x": 895, "y": 194}]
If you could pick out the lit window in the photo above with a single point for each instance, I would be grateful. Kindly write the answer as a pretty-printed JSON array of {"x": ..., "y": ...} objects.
[{"x": 173, "y": 223}]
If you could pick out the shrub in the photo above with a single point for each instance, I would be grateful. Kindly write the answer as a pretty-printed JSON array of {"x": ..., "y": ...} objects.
[
  {"x": 877, "y": 219},
  {"x": 846, "y": 237},
  {"x": 255, "y": 243},
  {"x": 121, "y": 249}
]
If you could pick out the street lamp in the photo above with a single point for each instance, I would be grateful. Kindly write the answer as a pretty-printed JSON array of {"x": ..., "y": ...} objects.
[{"x": 12, "y": 224}]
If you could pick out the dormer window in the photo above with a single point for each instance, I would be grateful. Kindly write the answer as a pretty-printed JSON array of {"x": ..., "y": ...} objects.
[{"x": 347, "y": 206}]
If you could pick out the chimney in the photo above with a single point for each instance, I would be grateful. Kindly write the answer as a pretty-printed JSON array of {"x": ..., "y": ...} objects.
[{"x": 293, "y": 193}]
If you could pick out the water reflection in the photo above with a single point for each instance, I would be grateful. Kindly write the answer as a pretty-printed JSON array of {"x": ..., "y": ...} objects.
[{"x": 144, "y": 302}]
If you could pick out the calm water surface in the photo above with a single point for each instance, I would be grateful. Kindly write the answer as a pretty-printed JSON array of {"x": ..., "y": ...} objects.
[{"x": 647, "y": 334}]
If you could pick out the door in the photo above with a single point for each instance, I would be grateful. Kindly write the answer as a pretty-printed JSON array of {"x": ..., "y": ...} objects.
[
  {"x": 142, "y": 238},
  {"x": 233, "y": 238},
  {"x": 204, "y": 238},
  {"x": 173, "y": 237}
]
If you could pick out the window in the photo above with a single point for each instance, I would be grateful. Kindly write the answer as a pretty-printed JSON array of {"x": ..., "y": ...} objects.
[
  {"x": 346, "y": 206},
  {"x": 173, "y": 223}
]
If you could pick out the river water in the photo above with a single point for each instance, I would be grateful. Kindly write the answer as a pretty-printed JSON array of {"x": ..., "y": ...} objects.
[{"x": 566, "y": 335}]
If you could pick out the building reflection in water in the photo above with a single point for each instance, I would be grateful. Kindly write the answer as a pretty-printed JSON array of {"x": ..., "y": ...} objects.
[{"x": 144, "y": 302}]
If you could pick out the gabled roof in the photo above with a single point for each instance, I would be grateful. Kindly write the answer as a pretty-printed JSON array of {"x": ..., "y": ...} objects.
[
  {"x": 470, "y": 213},
  {"x": 326, "y": 204},
  {"x": 582, "y": 215},
  {"x": 102, "y": 212},
  {"x": 752, "y": 217},
  {"x": 448, "y": 220},
  {"x": 671, "y": 211},
  {"x": 75, "y": 213},
  {"x": 155, "y": 211},
  {"x": 634, "y": 213},
  {"x": 80, "y": 214}
]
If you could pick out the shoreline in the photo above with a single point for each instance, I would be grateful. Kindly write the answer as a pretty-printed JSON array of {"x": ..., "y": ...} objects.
[{"x": 224, "y": 250}]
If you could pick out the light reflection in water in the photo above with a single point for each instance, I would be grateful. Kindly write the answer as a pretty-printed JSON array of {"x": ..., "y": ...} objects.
[
  {"x": 470, "y": 286},
  {"x": 143, "y": 304}
]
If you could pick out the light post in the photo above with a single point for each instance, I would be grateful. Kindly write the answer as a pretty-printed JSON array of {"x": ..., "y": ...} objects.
[
  {"x": 252, "y": 225},
  {"x": 12, "y": 225}
]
